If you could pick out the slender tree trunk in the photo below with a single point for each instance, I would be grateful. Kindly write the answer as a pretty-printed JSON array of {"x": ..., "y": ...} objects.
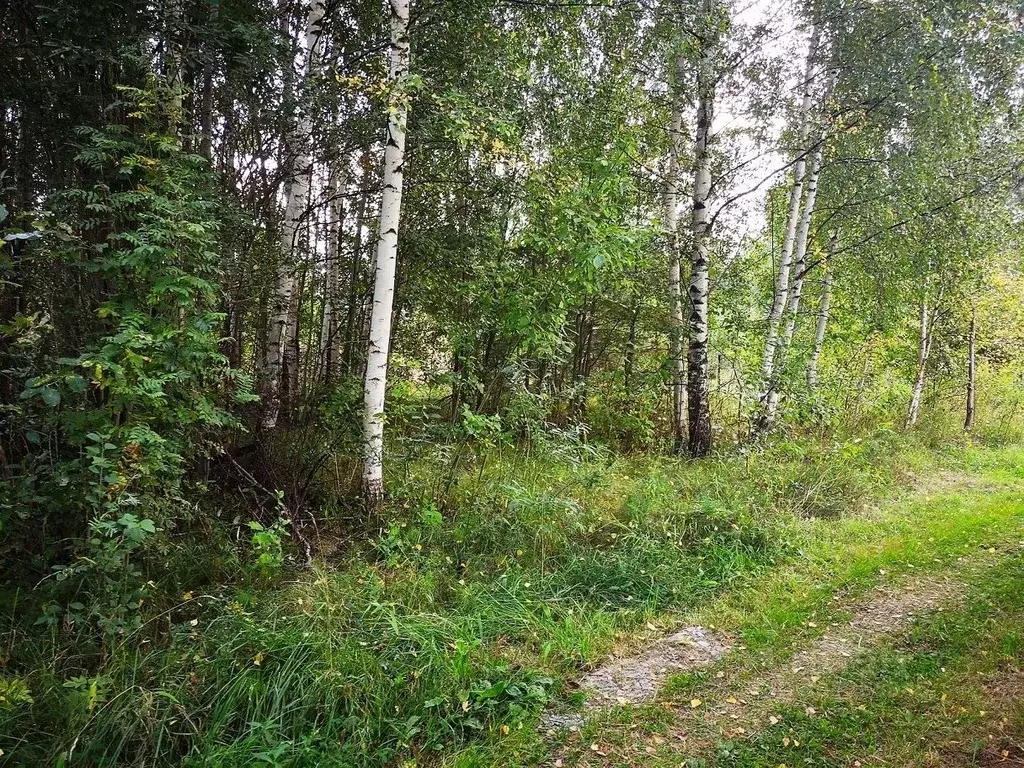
[
  {"x": 670, "y": 233},
  {"x": 773, "y": 395},
  {"x": 354, "y": 300},
  {"x": 923, "y": 352},
  {"x": 206, "y": 111},
  {"x": 780, "y": 294},
  {"x": 629, "y": 353},
  {"x": 971, "y": 372},
  {"x": 823, "y": 315},
  {"x": 698, "y": 389},
  {"x": 387, "y": 256},
  {"x": 175, "y": 62},
  {"x": 279, "y": 370},
  {"x": 292, "y": 352},
  {"x": 332, "y": 285}
]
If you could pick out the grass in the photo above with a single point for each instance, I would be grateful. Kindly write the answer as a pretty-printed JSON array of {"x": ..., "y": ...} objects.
[
  {"x": 440, "y": 636},
  {"x": 949, "y": 693}
]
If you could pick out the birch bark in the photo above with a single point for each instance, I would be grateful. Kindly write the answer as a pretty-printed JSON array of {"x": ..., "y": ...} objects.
[
  {"x": 924, "y": 348},
  {"x": 279, "y": 366},
  {"x": 773, "y": 393},
  {"x": 670, "y": 234},
  {"x": 972, "y": 370},
  {"x": 698, "y": 389},
  {"x": 823, "y": 315},
  {"x": 780, "y": 293},
  {"x": 387, "y": 254}
]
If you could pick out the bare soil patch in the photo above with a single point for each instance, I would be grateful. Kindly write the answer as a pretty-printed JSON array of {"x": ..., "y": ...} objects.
[{"x": 637, "y": 678}]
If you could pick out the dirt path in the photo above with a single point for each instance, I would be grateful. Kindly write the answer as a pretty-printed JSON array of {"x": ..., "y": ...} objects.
[
  {"x": 740, "y": 701},
  {"x": 738, "y": 706}
]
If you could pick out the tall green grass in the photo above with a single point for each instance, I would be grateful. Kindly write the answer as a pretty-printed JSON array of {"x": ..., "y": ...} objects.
[{"x": 446, "y": 624}]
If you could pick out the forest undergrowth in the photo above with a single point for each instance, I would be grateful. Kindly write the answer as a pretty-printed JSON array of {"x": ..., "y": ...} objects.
[{"x": 440, "y": 636}]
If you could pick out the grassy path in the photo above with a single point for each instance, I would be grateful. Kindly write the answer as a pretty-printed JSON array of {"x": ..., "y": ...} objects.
[{"x": 896, "y": 638}]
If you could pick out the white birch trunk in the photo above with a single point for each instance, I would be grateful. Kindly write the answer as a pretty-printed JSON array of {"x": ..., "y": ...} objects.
[
  {"x": 774, "y": 391},
  {"x": 675, "y": 283},
  {"x": 972, "y": 370},
  {"x": 780, "y": 294},
  {"x": 823, "y": 315},
  {"x": 387, "y": 254},
  {"x": 923, "y": 352},
  {"x": 698, "y": 387},
  {"x": 278, "y": 359}
]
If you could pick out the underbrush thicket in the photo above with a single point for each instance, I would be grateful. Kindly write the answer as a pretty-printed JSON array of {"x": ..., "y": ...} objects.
[{"x": 447, "y": 621}]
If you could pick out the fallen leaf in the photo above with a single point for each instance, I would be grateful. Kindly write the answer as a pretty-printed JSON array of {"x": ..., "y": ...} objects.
[
  {"x": 785, "y": 741},
  {"x": 773, "y": 720},
  {"x": 732, "y": 700},
  {"x": 810, "y": 711},
  {"x": 694, "y": 703},
  {"x": 504, "y": 730}
]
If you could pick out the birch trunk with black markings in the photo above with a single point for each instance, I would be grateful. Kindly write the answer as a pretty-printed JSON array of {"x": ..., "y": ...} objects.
[{"x": 387, "y": 256}]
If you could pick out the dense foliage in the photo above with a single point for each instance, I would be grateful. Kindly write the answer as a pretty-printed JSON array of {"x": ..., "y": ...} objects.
[{"x": 794, "y": 232}]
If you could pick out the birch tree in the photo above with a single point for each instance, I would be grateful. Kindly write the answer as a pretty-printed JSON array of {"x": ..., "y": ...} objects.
[
  {"x": 780, "y": 294},
  {"x": 387, "y": 255},
  {"x": 670, "y": 235},
  {"x": 972, "y": 370},
  {"x": 772, "y": 396},
  {"x": 924, "y": 349},
  {"x": 279, "y": 365},
  {"x": 707, "y": 74},
  {"x": 824, "y": 307}
]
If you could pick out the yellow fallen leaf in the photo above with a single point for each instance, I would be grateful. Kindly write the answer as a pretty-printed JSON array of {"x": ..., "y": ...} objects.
[
  {"x": 504, "y": 730},
  {"x": 732, "y": 700},
  {"x": 694, "y": 703},
  {"x": 258, "y": 658}
]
